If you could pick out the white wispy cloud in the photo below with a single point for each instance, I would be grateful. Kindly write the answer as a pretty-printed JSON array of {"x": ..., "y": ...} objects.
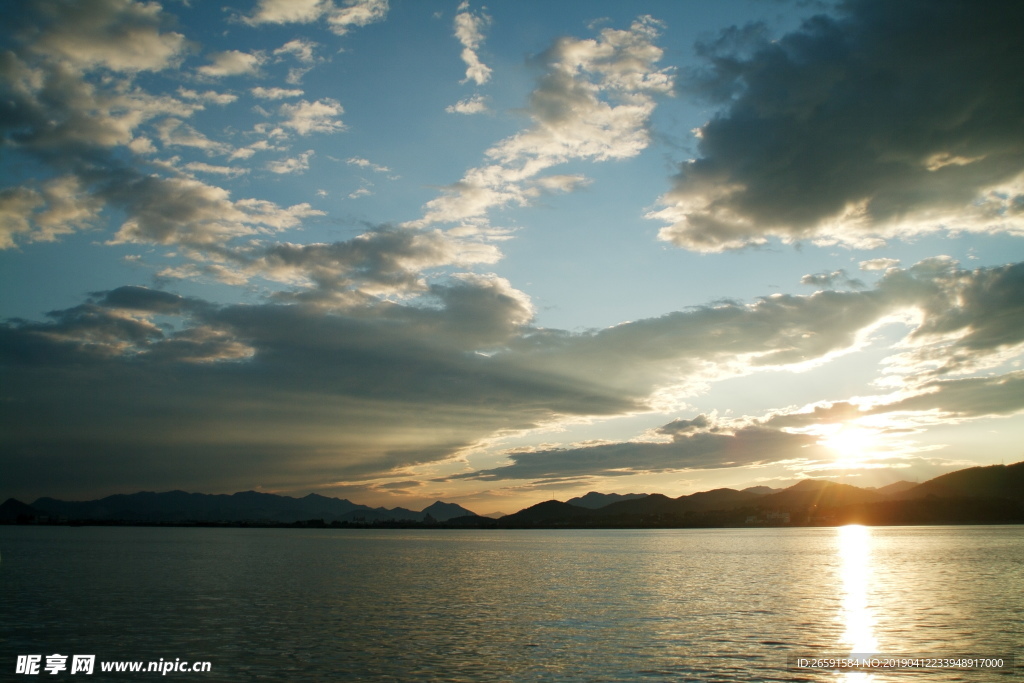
[
  {"x": 469, "y": 29},
  {"x": 593, "y": 103},
  {"x": 366, "y": 163}
]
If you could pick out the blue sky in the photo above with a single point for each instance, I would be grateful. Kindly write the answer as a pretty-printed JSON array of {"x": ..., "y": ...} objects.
[{"x": 401, "y": 251}]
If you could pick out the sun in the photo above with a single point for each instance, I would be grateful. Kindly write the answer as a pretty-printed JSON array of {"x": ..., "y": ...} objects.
[{"x": 851, "y": 443}]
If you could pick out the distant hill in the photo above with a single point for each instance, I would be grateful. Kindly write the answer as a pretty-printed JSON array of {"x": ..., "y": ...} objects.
[
  {"x": 12, "y": 510},
  {"x": 975, "y": 495},
  {"x": 813, "y": 492},
  {"x": 247, "y": 506},
  {"x": 895, "y": 489},
  {"x": 442, "y": 512},
  {"x": 994, "y": 481},
  {"x": 761, "y": 490},
  {"x": 595, "y": 500},
  {"x": 993, "y": 494}
]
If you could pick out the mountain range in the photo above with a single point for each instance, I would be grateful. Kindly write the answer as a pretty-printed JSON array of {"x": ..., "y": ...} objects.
[
  {"x": 179, "y": 506},
  {"x": 973, "y": 495}
]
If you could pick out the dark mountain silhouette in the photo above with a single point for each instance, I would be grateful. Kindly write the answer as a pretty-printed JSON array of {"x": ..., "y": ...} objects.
[
  {"x": 812, "y": 492},
  {"x": 12, "y": 510},
  {"x": 250, "y": 506},
  {"x": 896, "y": 489},
  {"x": 442, "y": 512},
  {"x": 994, "y": 481},
  {"x": 975, "y": 495},
  {"x": 993, "y": 494},
  {"x": 761, "y": 490},
  {"x": 595, "y": 500}
]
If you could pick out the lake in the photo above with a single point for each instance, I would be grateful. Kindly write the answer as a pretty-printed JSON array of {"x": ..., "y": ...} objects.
[{"x": 510, "y": 605}]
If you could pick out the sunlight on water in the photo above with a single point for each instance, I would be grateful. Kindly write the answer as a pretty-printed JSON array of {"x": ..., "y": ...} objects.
[{"x": 855, "y": 557}]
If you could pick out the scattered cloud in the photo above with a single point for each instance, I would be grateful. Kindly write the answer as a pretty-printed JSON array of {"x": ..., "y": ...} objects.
[
  {"x": 879, "y": 264},
  {"x": 300, "y": 49},
  {"x": 233, "y": 63},
  {"x": 188, "y": 212},
  {"x": 227, "y": 171},
  {"x": 292, "y": 165},
  {"x": 313, "y": 117},
  {"x": 275, "y": 93},
  {"x": 210, "y": 96},
  {"x": 58, "y": 207},
  {"x": 119, "y": 35},
  {"x": 366, "y": 163},
  {"x": 339, "y": 18},
  {"x": 836, "y": 277},
  {"x": 176, "y": 133},
  {"x": 477, "y": 104},
  {"x": 593, "y": 102}
]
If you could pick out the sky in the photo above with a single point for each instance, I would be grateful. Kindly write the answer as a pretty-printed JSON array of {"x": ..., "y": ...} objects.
[{"x": 400, "y": 251}]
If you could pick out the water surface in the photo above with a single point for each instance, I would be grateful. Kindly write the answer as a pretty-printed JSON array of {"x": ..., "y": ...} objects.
[{"x": 511, "y": 605}]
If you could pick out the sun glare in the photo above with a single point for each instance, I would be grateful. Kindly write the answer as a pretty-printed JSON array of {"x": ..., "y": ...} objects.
[{"x": 851, "y": 443}]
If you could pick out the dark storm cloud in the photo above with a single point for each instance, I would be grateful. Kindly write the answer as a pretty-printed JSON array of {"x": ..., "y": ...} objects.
[
  {"x": 888, "y": 118},
  {"x": 358, "y": 392},
  {"x": 701, "y": 450}
]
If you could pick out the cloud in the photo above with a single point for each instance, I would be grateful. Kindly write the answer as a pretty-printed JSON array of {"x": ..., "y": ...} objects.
[
  {"x": 299, "y": 48},
  {"x": 16, "y": 205},
  {"x": 304, "y": 393},
  {"x": 356, "y": 13},
  {"x": 208, "y": 96},
  {"x": 340, "y": 19},
  {"x": 175, "y": 211},
  {"x": 287, "y": 11},
  {"x": 119, "y": 35},
  {"x": 233, "y": 63},
  {"x": 885, "y": 121},
  {"x": 879, "y": 264},
  {"x": 366, "y": 163},
  {"x": 477, "y": 104},
  {"x": 228, "y": 171},
  {"x": 53, "y": 111},
  {"x": 59, "y": 207},
  {"x": 176, "y": 133},
  {"x": 297, "y": 164},
  {"x": 963, "y": 398},
  {"x": 380, "y": 262},
  {"x": 469, "y": 29},
  {"x": 313, "y": 117},
  {"x": 275, "y": 93},
  {"x": 830, "y": 279},
  {"x": 593, "y": 102},
  {"x": 688, "y": 451}
]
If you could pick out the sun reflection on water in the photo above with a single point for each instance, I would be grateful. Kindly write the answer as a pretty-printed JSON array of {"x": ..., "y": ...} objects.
[{"x": 855, "y": 557}]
